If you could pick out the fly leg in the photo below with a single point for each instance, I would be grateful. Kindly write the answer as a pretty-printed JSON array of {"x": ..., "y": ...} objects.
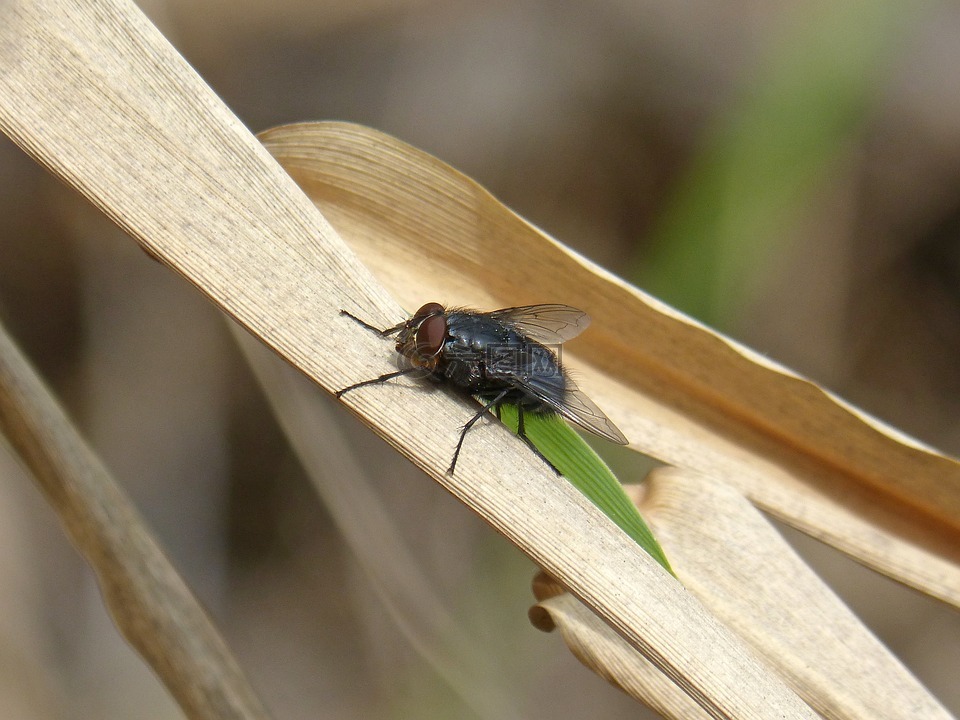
[
  {"x": 522, "y": 434},
  {"x": 463, "y": 433},
  {"x": 376, "y": 380},
  {"x": 382, "y": 333}
]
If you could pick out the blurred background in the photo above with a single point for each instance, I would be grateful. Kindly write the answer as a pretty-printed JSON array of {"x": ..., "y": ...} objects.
[{"x": 786, "y": 172}]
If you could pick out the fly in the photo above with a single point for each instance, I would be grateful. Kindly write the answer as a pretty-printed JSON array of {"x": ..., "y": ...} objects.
[{"x": 498, "y": 357}]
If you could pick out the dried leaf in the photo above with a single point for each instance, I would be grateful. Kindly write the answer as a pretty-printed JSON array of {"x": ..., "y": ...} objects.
[
  {"x": 729, "y": 556},
  {"x": 607, "y": 654},
  {"x": 148, "y": 143},
  {"x": 740, "y": 567},
  {"x": 149, "y": 601},
  {"x": 680, "y": 392},
  {"x": 95, "y": 93}
]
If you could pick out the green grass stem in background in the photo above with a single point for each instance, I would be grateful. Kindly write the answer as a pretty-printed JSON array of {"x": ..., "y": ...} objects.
[{"x": 768, "y": 156}]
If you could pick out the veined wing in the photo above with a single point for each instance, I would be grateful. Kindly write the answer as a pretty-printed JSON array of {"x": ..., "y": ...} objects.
[
  {"x": 550, "y": 324},
  {"x": 583, "y": 411},
  {"x": 576, "y": 407}
]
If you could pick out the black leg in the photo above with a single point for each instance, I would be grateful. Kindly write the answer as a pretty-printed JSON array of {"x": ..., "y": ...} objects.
[
  {"x": 382, "y": 333},
  {"x": 463, "y": 433},
  {"x": 376, "y": 380},
  {"x": 522, "y": 434}
]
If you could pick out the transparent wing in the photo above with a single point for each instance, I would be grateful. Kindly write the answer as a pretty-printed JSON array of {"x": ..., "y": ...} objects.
[
  {"x": 549, "y": 324},
  {"x": 576, "y": 407}
]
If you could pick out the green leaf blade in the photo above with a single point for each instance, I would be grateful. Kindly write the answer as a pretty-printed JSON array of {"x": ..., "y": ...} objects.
[{"x": 581, "y": 465}]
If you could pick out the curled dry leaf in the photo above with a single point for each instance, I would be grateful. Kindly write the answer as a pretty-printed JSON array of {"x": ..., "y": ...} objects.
[
  {"x": 729, "y": 556},
  {"x": 149, "y": 144},
  {"x": 606, "y": 653},
  {"x": 680, "y": 392}
]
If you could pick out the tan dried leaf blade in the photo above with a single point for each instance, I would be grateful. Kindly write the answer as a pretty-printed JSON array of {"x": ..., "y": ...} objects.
[
  {"x": 94, "y": 92},
  {"x": 679, "y": 391},
  {"x": 734, "y": 561}
]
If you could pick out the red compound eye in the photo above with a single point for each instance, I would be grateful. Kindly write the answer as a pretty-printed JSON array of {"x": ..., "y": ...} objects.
[
  {"x": 431, "y": 308},
  {"x": 431, "y": 333}
]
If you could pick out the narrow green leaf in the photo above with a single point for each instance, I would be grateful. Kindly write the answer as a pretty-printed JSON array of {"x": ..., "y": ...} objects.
[{"x": 579, "y": 464}]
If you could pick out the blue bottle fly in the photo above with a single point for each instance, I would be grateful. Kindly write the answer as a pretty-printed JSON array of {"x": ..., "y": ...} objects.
[{"x": 499, "y": 357}]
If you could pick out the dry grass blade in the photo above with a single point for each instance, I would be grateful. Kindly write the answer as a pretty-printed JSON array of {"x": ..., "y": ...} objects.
[
  {"x": 149, "y": 601},
  {"x": 730, "y": 557},
  {"x": 469, "y": 667},
  {"x": 680, "y": 392},
  {"x": 750, "y": 577},
  {"x": 606, "y": 653},
  {"x": 95, "y": 93}
]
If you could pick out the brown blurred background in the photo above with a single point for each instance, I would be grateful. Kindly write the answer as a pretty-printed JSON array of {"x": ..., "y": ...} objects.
[{"x": 788, "y": 172}]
